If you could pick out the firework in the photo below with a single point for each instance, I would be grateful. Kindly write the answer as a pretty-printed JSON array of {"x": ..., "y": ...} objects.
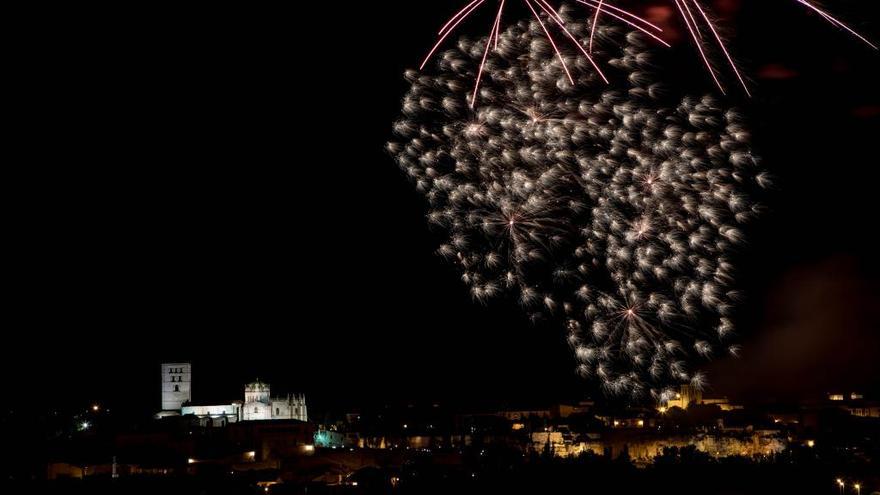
[
  {"x": 533, "y": 6},
  {"x": 611, "y": 209},
  {"x": 695, "y": 18}
]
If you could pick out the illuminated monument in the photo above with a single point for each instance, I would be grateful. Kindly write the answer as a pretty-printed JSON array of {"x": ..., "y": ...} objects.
[
  {"x": 176, "y": 385},
  {"x": 258, "y": 404}
]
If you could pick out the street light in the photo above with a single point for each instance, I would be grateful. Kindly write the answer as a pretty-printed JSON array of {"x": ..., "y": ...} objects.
[
  {"x": 858, "y": 488},
  {"x": 840, "y": 484}
]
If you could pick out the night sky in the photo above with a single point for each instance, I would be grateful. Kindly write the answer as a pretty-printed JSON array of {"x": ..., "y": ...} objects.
[{"x": 210, "y": 185}]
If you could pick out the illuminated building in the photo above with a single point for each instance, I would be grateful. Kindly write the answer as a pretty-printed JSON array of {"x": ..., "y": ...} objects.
[
  {"x": 688, "y": 395},
  {"x": 213, "y": 414},
  {"x": 855, "y": 404},
  {"x": 176, "y": 385},
  {"x": 258, "y": 404},
  {"x": 685, "y": 397}
]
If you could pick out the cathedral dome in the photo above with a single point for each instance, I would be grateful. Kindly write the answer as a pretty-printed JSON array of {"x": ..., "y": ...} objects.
[{"x": 256, "y": 386}]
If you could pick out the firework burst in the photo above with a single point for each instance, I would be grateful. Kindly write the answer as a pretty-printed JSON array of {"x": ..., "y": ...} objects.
[
  {"x": 696, "y": 19},
  {"x": 611, "y": 209}
]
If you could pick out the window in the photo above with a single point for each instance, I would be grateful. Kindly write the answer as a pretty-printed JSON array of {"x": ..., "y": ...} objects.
[
  {"x": 256, "y": 410},
  {"x": 177, "y": 388},
  {"x": 277, "y": 412}
]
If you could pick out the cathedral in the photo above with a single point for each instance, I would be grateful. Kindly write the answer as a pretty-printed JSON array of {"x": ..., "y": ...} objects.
[{"x": 258, "y": 403}]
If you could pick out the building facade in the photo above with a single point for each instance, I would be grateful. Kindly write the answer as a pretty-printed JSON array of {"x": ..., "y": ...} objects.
[
  {"x": 214, "y": 415},
  {"x": 176, "y": 385},
  {"x": 258, "y": 403}
]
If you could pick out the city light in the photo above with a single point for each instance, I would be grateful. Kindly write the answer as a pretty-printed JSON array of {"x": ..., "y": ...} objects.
[
  {"x": 322, "y": 438},
  {"x": 560, "y": 439}
]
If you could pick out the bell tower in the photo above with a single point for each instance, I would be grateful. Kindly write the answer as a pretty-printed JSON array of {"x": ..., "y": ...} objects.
[{"x": 176, "y": 385}]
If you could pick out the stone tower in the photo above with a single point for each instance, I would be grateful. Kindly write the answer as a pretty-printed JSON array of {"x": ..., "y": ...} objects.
[{"x": 176, "y": 385}]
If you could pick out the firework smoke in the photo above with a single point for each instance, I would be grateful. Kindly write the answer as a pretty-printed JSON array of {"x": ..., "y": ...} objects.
[{"x": 606, "y": 207}]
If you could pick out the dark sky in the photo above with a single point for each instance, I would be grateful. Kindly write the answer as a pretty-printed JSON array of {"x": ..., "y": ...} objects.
[{"x": 209, "y": 184}]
